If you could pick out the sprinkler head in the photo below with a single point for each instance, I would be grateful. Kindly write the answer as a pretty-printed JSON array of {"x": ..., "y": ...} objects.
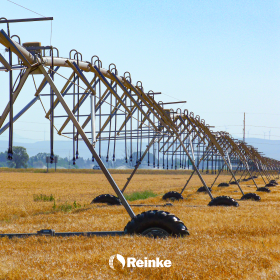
[
  {"x": 10, "y": 156},
  {"x": 51, "y": 158}
]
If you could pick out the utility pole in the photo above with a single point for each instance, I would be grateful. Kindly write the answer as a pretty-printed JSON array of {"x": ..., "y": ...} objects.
[{"x": 244, "y": 128}]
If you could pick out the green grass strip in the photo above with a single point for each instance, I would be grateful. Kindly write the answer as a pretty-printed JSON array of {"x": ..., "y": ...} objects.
[
  {"x": 139, "y": 195},
  {"x": 43, "y": 197}
]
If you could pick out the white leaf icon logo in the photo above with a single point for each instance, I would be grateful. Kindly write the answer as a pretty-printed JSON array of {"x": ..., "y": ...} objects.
[{"x": 120, "y": 258}]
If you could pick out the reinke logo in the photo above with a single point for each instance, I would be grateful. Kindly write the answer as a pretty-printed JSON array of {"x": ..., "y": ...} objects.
[
  {"x": 120, "y": 258},
  {"x": 133, "y": 262}
]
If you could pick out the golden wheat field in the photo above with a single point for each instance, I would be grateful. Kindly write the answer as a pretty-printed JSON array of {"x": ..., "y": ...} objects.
[{"x": 224, "y": 242}]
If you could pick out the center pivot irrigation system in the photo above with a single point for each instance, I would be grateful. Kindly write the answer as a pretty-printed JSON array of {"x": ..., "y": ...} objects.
[{"x": 103, "y": 109}]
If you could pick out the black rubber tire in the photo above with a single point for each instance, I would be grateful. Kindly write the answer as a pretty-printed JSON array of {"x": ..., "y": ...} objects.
[
  {"x": 172, "y": 196},
  {"x": 223, "y": 185},
  {"x": 223, "y": 201},
  {"x": 270, "y": 185},
  {"x": 156, "y": 219},
  {"x": 202, "y": 189},
  {"x": 233, "y": 183},
  {"x": 251, "y": 196},
  {"x": 263, "y": 189},
  {"x": 107, "y": 198}
]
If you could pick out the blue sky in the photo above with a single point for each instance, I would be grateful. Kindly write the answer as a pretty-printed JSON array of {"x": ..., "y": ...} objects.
[{"x": 222, "y": 57}]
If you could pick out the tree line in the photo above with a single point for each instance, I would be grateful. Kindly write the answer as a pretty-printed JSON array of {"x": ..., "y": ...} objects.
[{"x": 21, "y": 159}]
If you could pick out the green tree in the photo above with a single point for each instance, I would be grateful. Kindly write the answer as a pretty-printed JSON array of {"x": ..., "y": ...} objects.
[
  {"x": 3, "y": 159},
  {"x": 20, "y": 158}
]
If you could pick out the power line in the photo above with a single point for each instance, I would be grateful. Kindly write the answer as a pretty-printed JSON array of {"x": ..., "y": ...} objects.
[
  {"x": 263, "y": 114},
  {"x": 249, "y": 125},
  {"x": 264, "y": 126},
  {"x": 25, "y": 8},
  {"x": 257, "y": 134},
  {"x": 34, "y": 13},
  {"x": 216, "y": 113},
  {"x": 171, "y": 96}
]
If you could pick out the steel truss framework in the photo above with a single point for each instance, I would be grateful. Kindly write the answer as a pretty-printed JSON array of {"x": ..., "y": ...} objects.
[
  {"x": 102, "y": 108},
  {"x": 217, "y": 151}
]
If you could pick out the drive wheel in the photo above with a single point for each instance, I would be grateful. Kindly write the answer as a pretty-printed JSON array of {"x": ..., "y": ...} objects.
[
  {"x": 202, "y": 189},
  {"x": 223, "y": 201},
  {"x": 271, "y": 184},
  {"x": 223, "y": 185},
  {"x": 251, "y": 196},
  {"x": 155, "y": 223},
  {"x": 263, "y": 189},
  {"x": 233, "y": 183},
  {"x": 172, "y": 196},
  {"x": 107, "y": 198}
]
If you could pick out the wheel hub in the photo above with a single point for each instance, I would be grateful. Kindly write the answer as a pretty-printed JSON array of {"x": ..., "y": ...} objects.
[{"x": 155, "y": 232}]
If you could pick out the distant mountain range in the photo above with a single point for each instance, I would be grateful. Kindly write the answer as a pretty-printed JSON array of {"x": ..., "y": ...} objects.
[
  {"x": 61, "y": 148},
  {"x": 270, "y": 148}
]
